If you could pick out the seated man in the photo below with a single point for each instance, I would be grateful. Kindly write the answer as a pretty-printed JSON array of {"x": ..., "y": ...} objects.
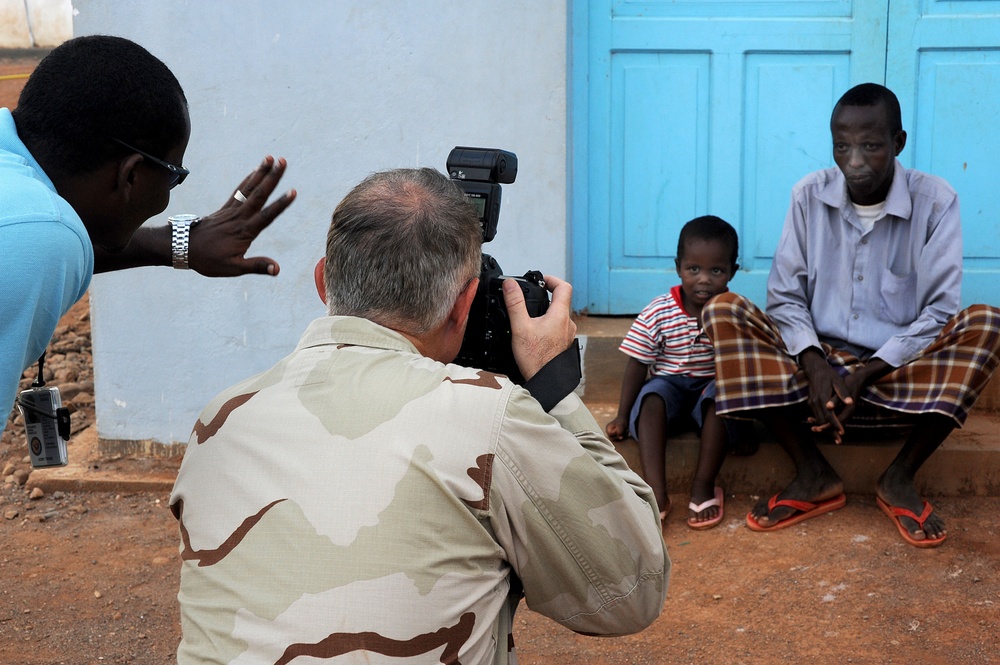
[
  {"x": 365, "y": 501},
  {"x": 862, "y": 322}
]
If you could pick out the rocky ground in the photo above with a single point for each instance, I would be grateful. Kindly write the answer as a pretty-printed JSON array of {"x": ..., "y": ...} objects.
[{"x": 90, "y": 578}]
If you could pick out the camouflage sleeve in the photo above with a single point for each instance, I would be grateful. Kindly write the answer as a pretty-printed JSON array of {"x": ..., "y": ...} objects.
[{"x": 579, "y": 527}]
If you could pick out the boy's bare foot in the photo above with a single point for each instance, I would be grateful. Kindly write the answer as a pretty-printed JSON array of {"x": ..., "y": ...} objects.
[
  {"x": 708, "y": 513},
  {"x": 664, "y": 509},
  {"x": 700, "y": 494}
]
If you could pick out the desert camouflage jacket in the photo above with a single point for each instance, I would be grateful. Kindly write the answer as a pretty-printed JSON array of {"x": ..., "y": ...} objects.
[{"x": 360, "y": 503}]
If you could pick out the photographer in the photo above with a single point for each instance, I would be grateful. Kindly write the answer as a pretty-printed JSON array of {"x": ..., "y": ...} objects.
[
  {"x": 364, "y": 498},
  {"x": 89, "y": 154}
]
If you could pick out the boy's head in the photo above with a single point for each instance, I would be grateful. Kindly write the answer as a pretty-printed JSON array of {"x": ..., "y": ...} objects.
[
  {"x": 867, "y": 130},
  {"x": 707, "y": 250},
  {"x": 711, "y": 228}
]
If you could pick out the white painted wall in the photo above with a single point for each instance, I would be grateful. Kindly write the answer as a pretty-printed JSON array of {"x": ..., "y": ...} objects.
[
  {"x": 341, "y": 89},
  {"x": 35, "y": 23}
]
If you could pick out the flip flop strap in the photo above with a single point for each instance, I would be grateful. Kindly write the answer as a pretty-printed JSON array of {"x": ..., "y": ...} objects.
[
  {"x": 697, "y": 508},
  {"x": 801, "y": 506},
  {"x": 903, "y": 512}
]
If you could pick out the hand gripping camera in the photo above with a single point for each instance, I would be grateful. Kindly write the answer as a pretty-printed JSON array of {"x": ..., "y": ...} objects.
[{"x": 478, "y": 172}]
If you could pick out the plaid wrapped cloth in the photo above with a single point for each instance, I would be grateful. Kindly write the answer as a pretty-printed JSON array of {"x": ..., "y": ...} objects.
[{"x": 753, "y": 369}]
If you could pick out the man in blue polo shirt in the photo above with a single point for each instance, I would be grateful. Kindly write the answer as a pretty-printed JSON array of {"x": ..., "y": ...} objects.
[{"x": 89, "y": 154}]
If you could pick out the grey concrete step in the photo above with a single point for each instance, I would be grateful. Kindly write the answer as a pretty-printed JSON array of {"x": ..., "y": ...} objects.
[{"x": 967, "y": 464}]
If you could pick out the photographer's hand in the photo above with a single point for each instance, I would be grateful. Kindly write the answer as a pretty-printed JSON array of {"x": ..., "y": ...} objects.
[{"x": 537, "y": 340}]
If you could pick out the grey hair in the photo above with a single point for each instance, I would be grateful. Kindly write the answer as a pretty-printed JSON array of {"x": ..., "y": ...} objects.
[{"x": 401, "y": 246}]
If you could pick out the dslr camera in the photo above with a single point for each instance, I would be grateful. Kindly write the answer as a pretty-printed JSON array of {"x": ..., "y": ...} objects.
[{"x": 479, "y": 172}]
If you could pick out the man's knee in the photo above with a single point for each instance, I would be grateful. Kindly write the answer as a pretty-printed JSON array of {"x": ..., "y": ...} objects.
[
  {"x": 726, "y": 305},
  {"x": 983, "y": 320}
]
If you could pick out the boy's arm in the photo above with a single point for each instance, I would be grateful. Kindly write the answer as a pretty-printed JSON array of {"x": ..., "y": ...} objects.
[{"x": 632, "y": 382}]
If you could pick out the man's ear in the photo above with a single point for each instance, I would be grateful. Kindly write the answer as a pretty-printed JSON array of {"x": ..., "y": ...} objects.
[
  {"x": 320, "y": 278},
  {"x": 460, "y": 310},
  {"x": 677, "y": 265},
  {"x": 126, "y": 174},
  {"x": 899, "y": 140}
]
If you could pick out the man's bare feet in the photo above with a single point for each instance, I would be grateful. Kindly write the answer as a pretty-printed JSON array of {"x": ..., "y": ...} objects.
[
  {"x": 897, "y": 490},
  {"x": 814, "y": 490}
]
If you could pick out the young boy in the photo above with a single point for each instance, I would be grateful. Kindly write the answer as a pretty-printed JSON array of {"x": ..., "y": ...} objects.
[{"x": 671, "y": 369}]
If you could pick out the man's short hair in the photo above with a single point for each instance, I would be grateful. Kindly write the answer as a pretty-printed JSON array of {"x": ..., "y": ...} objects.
[
  {"x": 710, "y": 227},
  {"x": 873, "y": 94},
  {"x": 401, "y": 246},
  {"x": 92, "y": 89}
]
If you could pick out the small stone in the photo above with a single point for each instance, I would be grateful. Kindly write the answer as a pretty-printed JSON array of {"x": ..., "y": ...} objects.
[
  {"x": 8, "y": 469},
  {"x": 116, "y": 616},
  {"x": 21, "y": 476},
  {"x": 97, "y": 594},
  {"x": 83, "y": 399},
  {"x": 716, "y": 596},
  {"x": 11, "y": 513},
  {"x": 160, "y": 561},
  {"x": 79, "y": 508},
  {"x": 36, "y": 493}
]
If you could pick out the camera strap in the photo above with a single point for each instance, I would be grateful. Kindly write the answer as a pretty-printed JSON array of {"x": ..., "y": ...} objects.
[
  {"x": 557, "y": 379},
  {"x": 61, "y": 414}
]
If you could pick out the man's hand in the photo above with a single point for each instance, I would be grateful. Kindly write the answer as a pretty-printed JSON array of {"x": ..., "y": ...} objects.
[
  {"x": 537, "y": 340},
  {"x": 830, "y": 397},
  {"x": 220, "y": 240}
]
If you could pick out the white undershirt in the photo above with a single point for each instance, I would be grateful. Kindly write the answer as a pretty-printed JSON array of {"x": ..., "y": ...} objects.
[{"x": 869, "y": 215}]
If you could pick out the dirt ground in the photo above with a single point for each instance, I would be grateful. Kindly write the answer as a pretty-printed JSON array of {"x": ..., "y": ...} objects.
[{"x": 92, "y": 578}]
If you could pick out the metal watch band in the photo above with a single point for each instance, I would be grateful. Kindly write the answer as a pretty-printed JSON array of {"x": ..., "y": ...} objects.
[{"x": 180, "y": 238}]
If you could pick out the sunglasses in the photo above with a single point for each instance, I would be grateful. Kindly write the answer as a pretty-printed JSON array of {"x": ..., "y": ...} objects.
[{"x": 177, "y": 173}]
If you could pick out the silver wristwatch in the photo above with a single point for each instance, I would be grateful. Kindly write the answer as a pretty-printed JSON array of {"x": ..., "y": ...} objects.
[{"x": 180, "y": 238}]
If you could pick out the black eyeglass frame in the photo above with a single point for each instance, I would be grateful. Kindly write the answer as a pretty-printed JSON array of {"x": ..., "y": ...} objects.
[{"x": 177, "y": 173}]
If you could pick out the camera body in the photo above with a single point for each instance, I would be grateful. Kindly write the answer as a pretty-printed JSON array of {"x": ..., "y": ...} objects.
[
  {"x": 479, "y": 172},
  {"x": 46, "y": 426}
]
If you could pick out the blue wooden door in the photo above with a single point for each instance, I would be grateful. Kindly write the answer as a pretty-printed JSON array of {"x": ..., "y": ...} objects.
[
  {"x": 691, "y": 107},
  {"x": 944, "y": 64}
]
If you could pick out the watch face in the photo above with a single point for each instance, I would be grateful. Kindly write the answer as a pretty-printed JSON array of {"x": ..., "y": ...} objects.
[{"x": 183, "y": 219}]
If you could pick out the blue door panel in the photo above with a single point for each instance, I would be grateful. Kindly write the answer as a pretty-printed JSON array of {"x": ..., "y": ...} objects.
[
  {"x": 700, "y": 107},
  {"x": 778, "y": 153},
  {"x": 944, "y": 63}
]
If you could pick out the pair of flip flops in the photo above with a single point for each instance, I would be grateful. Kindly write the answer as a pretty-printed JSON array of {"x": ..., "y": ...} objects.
[
  {"x": 696, "y": 508},
  {"x": 806, "y": 510}
]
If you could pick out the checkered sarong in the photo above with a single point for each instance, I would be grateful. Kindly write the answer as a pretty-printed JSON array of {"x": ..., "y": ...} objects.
[{"x": 753, "y": 369}]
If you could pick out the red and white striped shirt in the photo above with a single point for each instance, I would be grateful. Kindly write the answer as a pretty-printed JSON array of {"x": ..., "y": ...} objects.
[{"x": 665, "y": 336}]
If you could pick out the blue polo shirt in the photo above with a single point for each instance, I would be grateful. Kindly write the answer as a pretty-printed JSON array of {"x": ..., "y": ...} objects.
[{"x": 46, "y": 257}]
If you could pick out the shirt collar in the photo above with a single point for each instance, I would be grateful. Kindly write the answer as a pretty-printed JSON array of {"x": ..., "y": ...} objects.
[
  {"x": 897, "y": 202},
  {"x": 353, "y": 331},
  {"x": 12, "y": 143}
]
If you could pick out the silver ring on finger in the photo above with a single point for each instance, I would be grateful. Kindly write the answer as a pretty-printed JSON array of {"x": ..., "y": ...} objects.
[{"x": 240, "y": 196}]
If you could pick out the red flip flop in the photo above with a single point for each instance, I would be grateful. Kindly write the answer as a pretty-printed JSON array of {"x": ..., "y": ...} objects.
[
  {"x": 895, "y": 513},
  {"x": 806, "y": 510},
  {"x": 717, "y": 500}
]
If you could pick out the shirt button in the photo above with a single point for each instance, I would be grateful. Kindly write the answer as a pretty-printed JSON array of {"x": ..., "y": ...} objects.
[
  {"x": 864, "y": 241},
  {"x": 855, "y": 317},
  {"x": 861, "y": 278}
]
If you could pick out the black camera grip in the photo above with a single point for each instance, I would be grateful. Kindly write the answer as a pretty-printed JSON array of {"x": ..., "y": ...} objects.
[{"x": 557, "y": 378}]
